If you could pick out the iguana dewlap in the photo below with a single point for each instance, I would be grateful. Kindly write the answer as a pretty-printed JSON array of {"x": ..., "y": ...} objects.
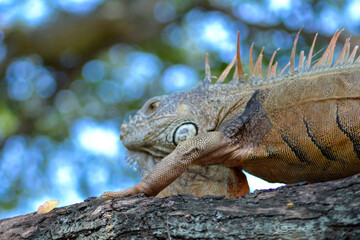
[{"x": 304, "y": 126}]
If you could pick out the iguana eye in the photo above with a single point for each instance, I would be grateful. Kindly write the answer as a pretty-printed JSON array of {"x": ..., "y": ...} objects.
[
  {"x": 152, "y": 106},
  {"x": 184, "y": 131}
]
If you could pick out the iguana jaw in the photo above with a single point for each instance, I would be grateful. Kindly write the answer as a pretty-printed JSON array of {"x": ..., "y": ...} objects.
[{"x": 145, "y": 162}]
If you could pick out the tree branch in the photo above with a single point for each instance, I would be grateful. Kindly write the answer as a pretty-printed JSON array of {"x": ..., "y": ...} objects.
[{"x": 329, "y": 210}]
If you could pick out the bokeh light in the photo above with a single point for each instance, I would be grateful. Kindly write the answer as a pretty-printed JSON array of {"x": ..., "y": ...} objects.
[
  {"x": 179, "y": 78},
  {"x": 66, "y": 101},
  {"x": 96, "y": 138},
  {"x": 94, "y": 71},
  {"x": 78, "y": 6},
  {"x": 164, "y": 11}
]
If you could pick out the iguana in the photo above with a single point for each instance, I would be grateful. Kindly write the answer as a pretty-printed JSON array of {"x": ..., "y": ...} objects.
[{"x": 299, "y": 126}]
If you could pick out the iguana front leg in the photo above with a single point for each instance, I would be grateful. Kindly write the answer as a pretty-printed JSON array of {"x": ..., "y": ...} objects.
[{"x": 206, "y": 148}]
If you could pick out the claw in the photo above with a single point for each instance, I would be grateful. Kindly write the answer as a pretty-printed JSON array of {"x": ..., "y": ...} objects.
[{"x": 138, "y": 188}]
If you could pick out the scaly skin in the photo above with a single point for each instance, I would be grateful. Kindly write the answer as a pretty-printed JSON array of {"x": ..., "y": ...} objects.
[{"x": 304, "y": 126}]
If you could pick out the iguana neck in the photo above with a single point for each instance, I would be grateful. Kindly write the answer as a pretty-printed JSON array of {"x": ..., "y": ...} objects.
[{"x": 220, "y": 102}]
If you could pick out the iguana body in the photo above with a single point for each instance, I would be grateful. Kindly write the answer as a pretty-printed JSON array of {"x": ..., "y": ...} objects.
[{"x": 304, "y": 126}]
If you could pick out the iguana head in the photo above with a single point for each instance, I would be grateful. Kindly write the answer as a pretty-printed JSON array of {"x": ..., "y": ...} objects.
[
  {"x": 156, "y": 126},
  {"x": 163, "y": 122}
]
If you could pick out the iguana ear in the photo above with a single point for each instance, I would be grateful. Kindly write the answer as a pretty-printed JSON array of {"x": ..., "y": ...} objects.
[{"x": 184, "y": 131}]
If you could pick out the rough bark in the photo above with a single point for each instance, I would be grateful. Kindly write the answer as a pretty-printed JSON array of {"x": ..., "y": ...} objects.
[{"x": 329, "y": 210}]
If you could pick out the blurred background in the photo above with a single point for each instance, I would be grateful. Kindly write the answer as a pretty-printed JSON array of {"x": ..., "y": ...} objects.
[{"x": 72, "y": 70}]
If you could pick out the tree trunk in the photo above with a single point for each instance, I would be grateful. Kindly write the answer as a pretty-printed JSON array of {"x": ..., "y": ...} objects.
[{"x": 329, "y": 210}]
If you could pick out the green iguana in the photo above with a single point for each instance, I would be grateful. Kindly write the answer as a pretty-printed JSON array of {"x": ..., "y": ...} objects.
[{"x": 302, "y": 126}]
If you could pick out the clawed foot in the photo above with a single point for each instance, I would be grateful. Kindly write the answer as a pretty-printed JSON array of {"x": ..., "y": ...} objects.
[
  {"x": 139, "y": 188},
  {"x": 119, "y": 194},
  {"x": 114, "y": 194}
]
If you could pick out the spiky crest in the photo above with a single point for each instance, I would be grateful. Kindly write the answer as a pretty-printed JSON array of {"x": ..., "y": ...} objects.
[
  {"x": 258, "y": 64},
  {"x": 325, "y": 61},
  {"x": 239, "y": 70},
  {"x": 207, "y": 79},
  {"x": 308, "y": 64},
  {"x": 352, "y": 55},
  {"x": 292, "y": 58},
  {"x": 273, "y": 70},
  {"x": 257, "y": 69},
  {"x": 268, "y": 72},
  {"x": 301, "y": 62},
  {"x": 283, "y": 70},
  {"x": 347, "y": 51},
  {"x": 251, "y": 65},
  {"x": 344, "y": 52},
  {"x": 357, "y": 61},
  {"x": 239, "y": 73},
  {"x": 327, "y": 57},
  {"x": 226, "y": 71}
]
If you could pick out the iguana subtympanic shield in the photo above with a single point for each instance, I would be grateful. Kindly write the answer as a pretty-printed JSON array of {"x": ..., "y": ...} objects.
[{"x": 299, "y": 126}]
